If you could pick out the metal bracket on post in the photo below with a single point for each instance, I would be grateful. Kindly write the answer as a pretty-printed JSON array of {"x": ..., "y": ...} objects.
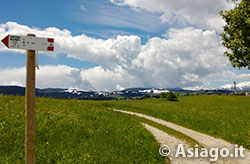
[{"x": 36, "y": 60}]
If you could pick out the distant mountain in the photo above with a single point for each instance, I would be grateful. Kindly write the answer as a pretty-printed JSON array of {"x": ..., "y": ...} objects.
[
  {"x": 57, "y": 93},
  {"x": 12, "y": 90},
  {"x": 84, "y": 94},
  {"x": 99, "y": 95},
  {"x": 143, "y": 90}
]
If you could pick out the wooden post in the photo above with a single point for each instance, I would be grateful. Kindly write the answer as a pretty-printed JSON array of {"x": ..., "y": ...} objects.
[{"x": 30, "y": 107}]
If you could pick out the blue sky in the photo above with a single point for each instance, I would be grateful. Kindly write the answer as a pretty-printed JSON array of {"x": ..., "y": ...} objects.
[
  {"x": 114, "y": 44},
  {"x": 42, "y": 14},
  {"x": 70, "y": 15}
]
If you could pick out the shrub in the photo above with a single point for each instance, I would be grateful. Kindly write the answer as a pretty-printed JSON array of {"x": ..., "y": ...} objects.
[
  {"x": 170, "y": 96},
  {"x": 163, "y": 95}
]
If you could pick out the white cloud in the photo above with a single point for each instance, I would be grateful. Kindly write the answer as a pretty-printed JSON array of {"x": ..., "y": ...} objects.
[
  {"x": 182, "y": 59},
  {"x": 226, "y": 76},
  {"x": 13, "y": 76},
  {"x": 203, "y": 13},
  {"x": 240, "y": 86},
  {"x": 108, "y": 53},
  {"x": 187, "y": 57},
  {"x": 107, "y": 80},
  {"x": 60, "y": 76},
  {"x": 109, "y": 15},
  {"x": 83, "y": 8},
  {"x": 119, "y": 88},
  {"x": 223, "y": 76},
  {"x": 243, "y": 76}
]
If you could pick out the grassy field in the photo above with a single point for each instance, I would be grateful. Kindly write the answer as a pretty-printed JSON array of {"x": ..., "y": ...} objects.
[
  {"x": 227, "y": 117},
  {"x": 74, "y": 131}
]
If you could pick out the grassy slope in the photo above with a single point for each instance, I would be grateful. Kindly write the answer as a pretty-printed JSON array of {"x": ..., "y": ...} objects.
[
  {"x": 73, "y": 131},
  {"x": 227, "y": 117}
]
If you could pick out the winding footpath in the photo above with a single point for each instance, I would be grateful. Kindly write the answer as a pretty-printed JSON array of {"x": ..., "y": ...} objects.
[
  {"x": 205, "y": 140},
  {"x": 165, "y": 139}
]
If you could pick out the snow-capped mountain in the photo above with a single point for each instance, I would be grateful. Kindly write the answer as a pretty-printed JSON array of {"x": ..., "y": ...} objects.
[
  {"x": 153, "y": 90},
  {"x": 76, "y": 91},
  {"x": 128, "y": 93},
  {"x": 243, "y": 86}
]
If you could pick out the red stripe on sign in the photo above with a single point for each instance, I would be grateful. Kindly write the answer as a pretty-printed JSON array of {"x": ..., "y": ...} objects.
[
  {"x": 51, "y": 40},
  {"x": 50, "y": 49}
]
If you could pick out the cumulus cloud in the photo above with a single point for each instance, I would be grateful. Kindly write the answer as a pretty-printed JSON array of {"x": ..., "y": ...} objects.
[
  {"x": 184, "y": 58},
  {"x": 203, "y": 13},
  {"x": 108, "y": 79},
  {"x": 13, "y": 76},
  {"x": 108, "y": 53},
  {"x": 60, "y": 76}
]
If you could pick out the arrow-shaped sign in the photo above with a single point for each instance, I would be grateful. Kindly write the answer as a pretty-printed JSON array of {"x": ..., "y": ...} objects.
[
  {"x": 29, "y": 43},
  {"x": 6, "y": 41}
]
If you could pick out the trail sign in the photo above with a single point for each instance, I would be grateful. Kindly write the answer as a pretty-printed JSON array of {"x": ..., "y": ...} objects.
[{"x": 29, "y": 43}]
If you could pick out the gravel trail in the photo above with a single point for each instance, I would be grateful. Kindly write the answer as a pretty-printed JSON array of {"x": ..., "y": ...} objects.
[
  {"x": 203, "y": 139},
  {"x": 172, "y": 142}
]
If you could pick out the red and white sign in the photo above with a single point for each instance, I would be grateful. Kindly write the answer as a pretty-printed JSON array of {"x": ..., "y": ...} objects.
[{"x": 29, "y": 43}]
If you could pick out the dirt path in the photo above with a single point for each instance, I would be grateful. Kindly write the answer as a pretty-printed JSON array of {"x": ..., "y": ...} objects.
[
  {"x": 204, "y": 140},
  {"x": 172, "y": 142}
]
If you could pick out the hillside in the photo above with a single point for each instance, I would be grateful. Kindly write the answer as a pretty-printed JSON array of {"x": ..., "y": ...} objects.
[{"x": 130, "y": 93}]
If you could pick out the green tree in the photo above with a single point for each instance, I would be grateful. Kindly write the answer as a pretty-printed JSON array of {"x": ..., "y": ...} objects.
[
  {"x": 163, "y": 95},
  {"x": 171, "y": 96},
  {"x": 236, "y": 35}
]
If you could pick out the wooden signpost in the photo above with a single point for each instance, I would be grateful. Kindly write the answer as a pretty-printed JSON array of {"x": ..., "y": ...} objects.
[{"x": 31, "y": 44}]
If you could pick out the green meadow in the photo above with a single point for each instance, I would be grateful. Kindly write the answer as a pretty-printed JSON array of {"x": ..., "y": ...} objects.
[
  {"x": 73, "y": 132},
  {"x": 226, "y": 117},
  {"x": 79, "y": 131}
]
